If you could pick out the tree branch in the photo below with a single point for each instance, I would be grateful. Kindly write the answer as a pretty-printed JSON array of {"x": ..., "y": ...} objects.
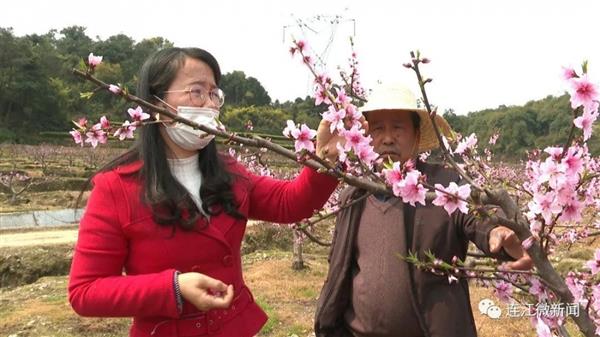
[
  {"x": 431, "y": 113},
  {"x": 351, "y": 180}
]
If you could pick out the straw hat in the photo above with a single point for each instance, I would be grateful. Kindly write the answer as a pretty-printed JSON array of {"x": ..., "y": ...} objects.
[{"x": 399, "y": 98}]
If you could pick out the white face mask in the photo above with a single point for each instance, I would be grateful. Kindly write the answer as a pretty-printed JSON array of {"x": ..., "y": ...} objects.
[{"x": 189, "y": 138}]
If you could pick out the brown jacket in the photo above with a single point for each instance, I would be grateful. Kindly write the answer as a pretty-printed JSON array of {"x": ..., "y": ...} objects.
[{"x": 442, "y": 309}]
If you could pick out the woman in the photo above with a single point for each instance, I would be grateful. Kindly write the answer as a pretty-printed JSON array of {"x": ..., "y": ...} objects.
[{"x": 160, "y": 239}]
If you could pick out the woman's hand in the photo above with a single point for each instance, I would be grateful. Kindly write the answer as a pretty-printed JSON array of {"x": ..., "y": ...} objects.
[{"x": 205, "y": 292}]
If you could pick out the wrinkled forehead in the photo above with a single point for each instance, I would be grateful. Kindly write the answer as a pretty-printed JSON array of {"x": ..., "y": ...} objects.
[{"x": 388, "y": 116}]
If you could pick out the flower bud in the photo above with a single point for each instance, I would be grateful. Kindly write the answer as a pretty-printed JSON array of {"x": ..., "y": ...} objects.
[{"x": 114, "y": 89}]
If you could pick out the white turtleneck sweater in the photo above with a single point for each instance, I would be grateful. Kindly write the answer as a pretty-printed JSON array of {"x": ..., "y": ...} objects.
[{"x": 187, "y": 172}]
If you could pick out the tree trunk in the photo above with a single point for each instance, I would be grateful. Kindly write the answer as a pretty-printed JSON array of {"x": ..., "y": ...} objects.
[{"x": 298, "y": 260}]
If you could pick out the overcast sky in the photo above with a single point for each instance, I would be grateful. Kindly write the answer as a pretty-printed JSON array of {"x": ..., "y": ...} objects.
[{"x": 484, "y": 53}]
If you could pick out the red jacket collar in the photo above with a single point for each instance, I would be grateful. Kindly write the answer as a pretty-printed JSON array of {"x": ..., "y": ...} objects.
[{"x": 130, "y": 167}]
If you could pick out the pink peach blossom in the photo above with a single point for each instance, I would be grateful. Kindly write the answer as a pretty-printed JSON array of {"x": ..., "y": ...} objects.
[
  {"x": 594, "y": 264},
  {"x": 366, "y": 154},
  {"x": 452, "y": 197},
  {"x": 304, "y": 136},
  {"x": 568, "y": 73},
  {"x": 585, "y": 122},
  {"x": 114, "y": 89},
  {"x": 410, "y": 189},
  {"x": 291, "y": 126},
  {"x": 354, "y": 138},
  {"x": 94, "y": 61},
  {"x": 503, "y": 290},
  {"x": 138, "y": 114},
  {"x": 104, "y": 122},
  {"x": 96, "y": 135},
  {"x": 77, "y": 136},
  {"x": 335, "y": 117},
  {"x": 393, "y": 175},
  {"x": 125, "y": 131},
  {"x": 583, "y": 92},
  {"x": 468, "y": 143}
]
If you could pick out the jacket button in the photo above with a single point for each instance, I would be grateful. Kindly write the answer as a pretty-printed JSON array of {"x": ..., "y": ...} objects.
[{"x": 228, "y": 260}]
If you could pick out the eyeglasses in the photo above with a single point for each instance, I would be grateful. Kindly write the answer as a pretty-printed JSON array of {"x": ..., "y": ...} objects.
[{"x": 198, "y": 95}]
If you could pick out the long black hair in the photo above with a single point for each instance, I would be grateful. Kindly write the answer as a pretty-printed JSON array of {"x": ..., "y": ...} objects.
[{"x": 170, "y": 202}]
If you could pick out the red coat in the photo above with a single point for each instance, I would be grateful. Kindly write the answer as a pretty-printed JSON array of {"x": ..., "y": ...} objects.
[{"x": 124, "y": 263}]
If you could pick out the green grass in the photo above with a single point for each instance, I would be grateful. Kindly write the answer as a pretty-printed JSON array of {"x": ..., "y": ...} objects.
[
  {"x": 54, "y": 298},
  {"x": 567, "y": 265},
  {"x": 273, "y": 319},
  {"x": 297, "y": 330},
  {"x": 582, "y": 253},
  {"x": 306, "y": 293}
]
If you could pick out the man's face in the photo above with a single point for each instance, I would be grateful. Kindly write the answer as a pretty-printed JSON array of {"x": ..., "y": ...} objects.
[{"x": 393, "y": 134}]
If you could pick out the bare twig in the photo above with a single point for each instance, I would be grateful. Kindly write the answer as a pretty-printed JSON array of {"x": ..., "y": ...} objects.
[
  {"x": 571, "y": 134},
  {"x": 438, "y": 134},
  {"x": 312, "y": 237},
  {"x": 318, "y": 219}
]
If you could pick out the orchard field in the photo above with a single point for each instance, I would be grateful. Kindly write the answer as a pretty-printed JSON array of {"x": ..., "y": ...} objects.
[{"x": 33, "y": 278}]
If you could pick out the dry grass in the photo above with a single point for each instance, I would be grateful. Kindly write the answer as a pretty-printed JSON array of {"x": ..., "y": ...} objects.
[
  {"x": 288, "y": 296},
  {"x": 41, "y": 309},
  {"x": 50, "y": 200}
]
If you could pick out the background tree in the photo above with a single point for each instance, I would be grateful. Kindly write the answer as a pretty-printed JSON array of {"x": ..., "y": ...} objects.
[
  {"x": 243, "y": 91},
  {"x": 538, "y": 123},
  {"x": 38, "y": 93}
]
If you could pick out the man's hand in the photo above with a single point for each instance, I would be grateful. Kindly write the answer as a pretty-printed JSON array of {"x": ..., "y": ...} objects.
[{"x": 502, "y": 237}]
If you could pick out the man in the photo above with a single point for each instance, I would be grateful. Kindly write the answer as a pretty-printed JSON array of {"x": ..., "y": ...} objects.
[{"x": 369, "y": 291}]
